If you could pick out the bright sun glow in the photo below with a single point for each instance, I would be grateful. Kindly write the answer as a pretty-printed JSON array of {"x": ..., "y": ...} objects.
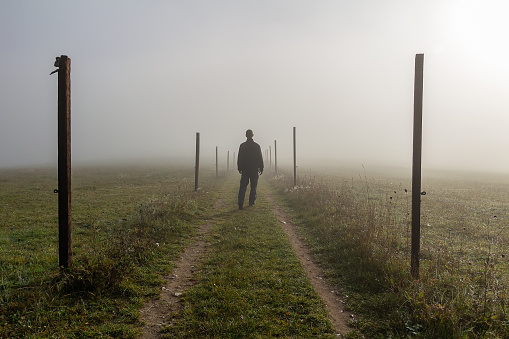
[{"x": 480, "y": 29}]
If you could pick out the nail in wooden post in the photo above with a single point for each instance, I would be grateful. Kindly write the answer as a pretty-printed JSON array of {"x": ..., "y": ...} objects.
[
  {"x": 64, "y": 163},
  {"x": 294, "y": 157},
  {"x": 197, "y": 162},
  {"x": 275, "y": 156},
  {"x": 416, "y": 165}
]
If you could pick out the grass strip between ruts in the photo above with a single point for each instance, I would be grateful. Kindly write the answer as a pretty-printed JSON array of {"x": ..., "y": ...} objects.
[{"x": 251, "y": 284}]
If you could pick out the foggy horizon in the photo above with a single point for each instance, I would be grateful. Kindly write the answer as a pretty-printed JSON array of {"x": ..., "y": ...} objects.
[{"x": 145, "y": 77}]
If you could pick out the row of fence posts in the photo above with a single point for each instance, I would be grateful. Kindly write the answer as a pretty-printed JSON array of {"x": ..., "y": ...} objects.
[
  {"x": 268, "y": 156},
  {"x": 64, "y": 162}
]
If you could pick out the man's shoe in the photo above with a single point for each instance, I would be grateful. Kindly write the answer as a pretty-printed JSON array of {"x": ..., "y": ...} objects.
[
  {"x": 241, "y": 207},
  {"x": 250, "y": 205}
]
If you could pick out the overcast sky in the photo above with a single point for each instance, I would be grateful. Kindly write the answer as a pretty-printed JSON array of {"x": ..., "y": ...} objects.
[{"x": 147, "y": 75}]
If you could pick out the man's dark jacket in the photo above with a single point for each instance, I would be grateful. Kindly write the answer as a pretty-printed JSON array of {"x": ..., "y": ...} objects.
[{"x": 250, "y": 159}]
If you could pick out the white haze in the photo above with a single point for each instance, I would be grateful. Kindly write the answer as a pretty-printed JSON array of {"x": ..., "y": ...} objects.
[{"x": 147, "y": 75}]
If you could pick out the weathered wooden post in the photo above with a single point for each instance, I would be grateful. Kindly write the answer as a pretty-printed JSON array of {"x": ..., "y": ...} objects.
[
  {"x": 64, "y": 161},
  {"x": 416, "y": 165},
  {"x": 294, "y": 157},
  {"x": 270, "y": 157},
  {"x": 217, "y": 171},
  {"x": 197, "y": 162},
  {"x": 234, "y": 164},
  {"x": 228, "y": 161},
  {"x": 275, "y": 156}
]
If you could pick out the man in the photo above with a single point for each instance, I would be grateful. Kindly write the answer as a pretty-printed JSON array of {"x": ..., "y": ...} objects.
[{"x": 250, "y": 165}]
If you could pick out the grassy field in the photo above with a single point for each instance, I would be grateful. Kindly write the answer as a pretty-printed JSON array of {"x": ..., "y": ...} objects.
[
  {"x": 251, "y": 285},
  {"x": 130, "y": 223},
  {"x": 359, "y": 227},
  {"x": 127, "y": 224}
]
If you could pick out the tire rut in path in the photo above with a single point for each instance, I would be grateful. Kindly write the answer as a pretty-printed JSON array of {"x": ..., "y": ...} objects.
[
  {"x": 333, "y": 299},
  {"x": 157, "y": 312}
]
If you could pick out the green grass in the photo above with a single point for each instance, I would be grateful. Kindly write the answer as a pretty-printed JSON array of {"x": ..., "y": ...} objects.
[
  {"x": 359, "y": 229},
  {"x": 128, "y": 223},
  {"x": 131, "y": 223},
  {"x": 251, "y": 285}
]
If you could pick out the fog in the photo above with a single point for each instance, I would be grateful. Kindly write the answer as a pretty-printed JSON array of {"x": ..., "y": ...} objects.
[{"x": 147, "y": 75}]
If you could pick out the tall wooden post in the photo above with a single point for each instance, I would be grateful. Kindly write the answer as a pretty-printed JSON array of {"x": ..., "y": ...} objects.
[
  {"x": 228, "y": 161},
  {"x": 294, "y": 157},
  {"x": 416, "y": 165},
  {"x": 275, "y": 156},
  {"x": 197, "y": 162},
  {"x": 217, "y": 170},
  {"x": 234, "y": 163},
  {"x": 64, "y": 163}
]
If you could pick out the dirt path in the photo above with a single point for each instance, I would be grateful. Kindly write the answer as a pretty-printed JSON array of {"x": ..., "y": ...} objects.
[
  {"x": 333, "y": 299},
  {"x": 157, "y": 313}
]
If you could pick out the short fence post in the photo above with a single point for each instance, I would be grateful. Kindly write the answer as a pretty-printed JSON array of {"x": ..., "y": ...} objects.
[
  {"x": 270, "y": 156},
  {"x": 275, "y": 157},
  {"x": 64, "y": 162},
  {"x": 294, "y": 157},
  {"x": 416, "y": 165},
  {"x": 197, "y": 162}
]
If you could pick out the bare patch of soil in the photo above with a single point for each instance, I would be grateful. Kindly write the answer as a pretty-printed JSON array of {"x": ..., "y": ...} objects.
[
  {"x": 158, "y": 312},
  {"x": 332, "y": 298}
]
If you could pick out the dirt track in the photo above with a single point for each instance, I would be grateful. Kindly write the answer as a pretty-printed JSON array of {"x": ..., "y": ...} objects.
[{"x": 158, "y": 312}]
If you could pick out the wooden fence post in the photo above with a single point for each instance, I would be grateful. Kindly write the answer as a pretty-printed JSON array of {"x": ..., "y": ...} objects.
[
  {"x": 197, "y": 162},
  {"x": 275, "y": 156},
  {"x": 294, "y": 157},
  {"x": 416, "y": 166},
  {"x": 270, "y": 156},
  {"x": 64, "y": 162},
  {"x": 217, "y": 170},
  {"x": 228, "y": 161}
]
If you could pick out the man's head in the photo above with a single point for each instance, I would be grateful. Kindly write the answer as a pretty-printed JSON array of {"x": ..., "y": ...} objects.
[{"x": 249, "y": 133}]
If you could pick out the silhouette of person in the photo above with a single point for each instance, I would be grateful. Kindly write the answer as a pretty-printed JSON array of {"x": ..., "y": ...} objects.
[{"x": 250, "y": 166}]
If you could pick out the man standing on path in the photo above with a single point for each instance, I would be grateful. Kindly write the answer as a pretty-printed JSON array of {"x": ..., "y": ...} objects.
[{"x": 250, "y": 165}]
